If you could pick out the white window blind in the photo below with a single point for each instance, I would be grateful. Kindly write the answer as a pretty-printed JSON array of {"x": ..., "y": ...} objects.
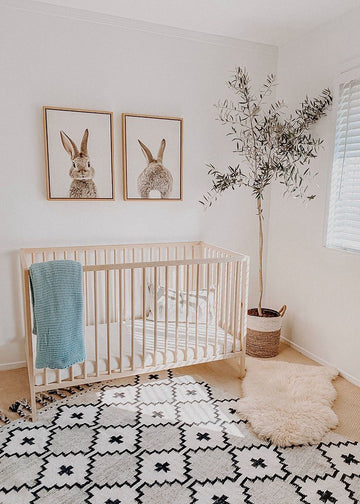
[{"x": 343, "y": 229}]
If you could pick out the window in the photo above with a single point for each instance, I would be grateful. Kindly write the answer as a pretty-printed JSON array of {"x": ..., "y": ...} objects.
[{"x": 343, "y": 230}]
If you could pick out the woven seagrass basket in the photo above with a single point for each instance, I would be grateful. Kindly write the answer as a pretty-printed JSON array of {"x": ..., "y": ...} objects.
[{"x": 263, "y": 333}]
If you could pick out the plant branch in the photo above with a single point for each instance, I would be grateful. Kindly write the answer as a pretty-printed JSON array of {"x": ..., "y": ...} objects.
[{"x": 272, "y": 146}]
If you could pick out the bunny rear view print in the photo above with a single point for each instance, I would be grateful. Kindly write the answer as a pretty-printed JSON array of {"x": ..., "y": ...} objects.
[
  {"x": 81, "y": 171},
  {"x": 155, "y": 177}
]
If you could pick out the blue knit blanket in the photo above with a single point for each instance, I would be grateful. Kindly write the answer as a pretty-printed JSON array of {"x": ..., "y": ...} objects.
[{"x": 57, "y": 297}]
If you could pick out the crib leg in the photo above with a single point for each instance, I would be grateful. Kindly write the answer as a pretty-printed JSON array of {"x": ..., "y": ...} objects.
[
  {"x": 242, "y": 365},
  {"x": 33, "y": 405},
  {"x": 29, "y": 343}
]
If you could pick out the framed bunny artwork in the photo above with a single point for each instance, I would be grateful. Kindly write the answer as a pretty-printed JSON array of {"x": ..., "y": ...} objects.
[
  {"x": 152, "y": 157},
  {"x": 78, "y": 154}
]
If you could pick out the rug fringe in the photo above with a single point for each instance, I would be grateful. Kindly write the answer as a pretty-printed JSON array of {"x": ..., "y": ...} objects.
[
  {"x": 22, "y": 407},
  {"x": 3, "y": 418}
]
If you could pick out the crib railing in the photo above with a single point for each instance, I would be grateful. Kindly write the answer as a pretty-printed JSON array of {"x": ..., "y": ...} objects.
[{"x": 148, "y": 307}]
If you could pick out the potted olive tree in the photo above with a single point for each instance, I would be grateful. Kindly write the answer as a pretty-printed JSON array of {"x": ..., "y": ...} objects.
[{"x": 272, "y": 146}]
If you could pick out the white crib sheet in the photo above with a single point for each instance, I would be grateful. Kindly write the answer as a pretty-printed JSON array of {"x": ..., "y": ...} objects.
[{"x": 150, "y": 358}]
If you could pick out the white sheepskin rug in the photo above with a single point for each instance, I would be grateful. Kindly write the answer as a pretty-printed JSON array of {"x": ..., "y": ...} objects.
[{"x": 289, "y": 404}]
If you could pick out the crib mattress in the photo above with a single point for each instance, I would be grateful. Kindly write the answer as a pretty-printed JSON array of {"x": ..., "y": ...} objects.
[{"x": 152, "y": 358}]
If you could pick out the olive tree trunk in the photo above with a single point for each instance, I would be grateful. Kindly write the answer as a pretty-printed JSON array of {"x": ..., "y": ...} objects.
[{"x": 261, "y": 247}]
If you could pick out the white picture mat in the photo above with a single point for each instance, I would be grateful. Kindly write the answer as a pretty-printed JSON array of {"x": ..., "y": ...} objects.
[
  {"x": 151, "y": 131},
  {"x": 74, "y": 123}
]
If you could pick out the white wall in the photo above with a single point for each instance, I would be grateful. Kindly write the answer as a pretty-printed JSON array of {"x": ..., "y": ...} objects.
[
  {"x": 320, "y": 286},
  {"x": 52, "y": 56}
]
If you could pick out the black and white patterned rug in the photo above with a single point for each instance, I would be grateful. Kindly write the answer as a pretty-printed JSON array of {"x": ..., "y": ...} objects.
[{"x": 161, "y": 439}]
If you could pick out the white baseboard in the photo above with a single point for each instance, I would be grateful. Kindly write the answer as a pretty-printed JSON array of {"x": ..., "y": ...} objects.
[
  {"x": 12, "y": 365},
  {"x": 319, "y": 360}
]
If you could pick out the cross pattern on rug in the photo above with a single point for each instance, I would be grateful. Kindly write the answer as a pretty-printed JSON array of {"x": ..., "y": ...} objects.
[
  {"x": 165, "y": 439},
  {"x": 66, "y": 470}
]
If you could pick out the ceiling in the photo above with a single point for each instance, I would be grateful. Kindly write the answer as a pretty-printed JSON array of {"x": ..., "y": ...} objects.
[{"x": 273, "y": 22}]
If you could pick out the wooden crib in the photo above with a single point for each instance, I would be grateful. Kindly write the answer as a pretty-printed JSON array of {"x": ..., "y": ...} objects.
[{"x": 147, "y": 307}]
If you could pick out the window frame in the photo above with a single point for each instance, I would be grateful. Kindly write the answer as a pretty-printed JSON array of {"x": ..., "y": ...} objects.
[{"x": 346, "y": 73}]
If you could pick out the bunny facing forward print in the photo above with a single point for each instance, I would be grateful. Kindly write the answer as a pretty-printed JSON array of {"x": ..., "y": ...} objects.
[
  {"x": 81, "y": 170},
  {"x": 155, "y": 177}
]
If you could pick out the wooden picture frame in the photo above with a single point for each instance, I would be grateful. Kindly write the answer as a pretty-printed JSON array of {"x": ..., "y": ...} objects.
[
  {"x": 71, "y": 174},
  {"x": 142, "y": 135}
]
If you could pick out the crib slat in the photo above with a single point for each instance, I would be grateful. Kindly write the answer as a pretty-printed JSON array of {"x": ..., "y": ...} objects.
[
  {"x": 107, "y": 299},
  {"x": 115, "y": 319},
  {"x": 155, "y": 315},
  {"x": 187, "y": 311},
  {"x": 197, "y": 310},
  {"x": 177, "y": 312},
  {"x": 86, "y": 290},
  {"x": 132, "y": 319},
  {"x": 125, "y": 286},
  {"x": 96, "y": 323},
  {"x": 223, "y": 294},
  {"x": 217, "y": 304},
  {"x": 166, "y": 310},
  {"x": 227, "y": 289},
  {"x": 212, "y": 255},
  {"x": 192, "y": 268},
  {"x": 161, "y": 270},
  {"x": 184, "y": 272},
  {"x": 233, "y": 297},
  {"x": 207, "y": 309},
  {"x": 120, "y": 319},
  {"x": 144, "y": 314},
  {"x": 241, "y": 301},
  {"x": 235, "y": 307}
]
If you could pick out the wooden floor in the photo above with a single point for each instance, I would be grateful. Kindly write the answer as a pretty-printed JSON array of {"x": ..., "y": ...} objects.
[{"x": 225, "y": 376}]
